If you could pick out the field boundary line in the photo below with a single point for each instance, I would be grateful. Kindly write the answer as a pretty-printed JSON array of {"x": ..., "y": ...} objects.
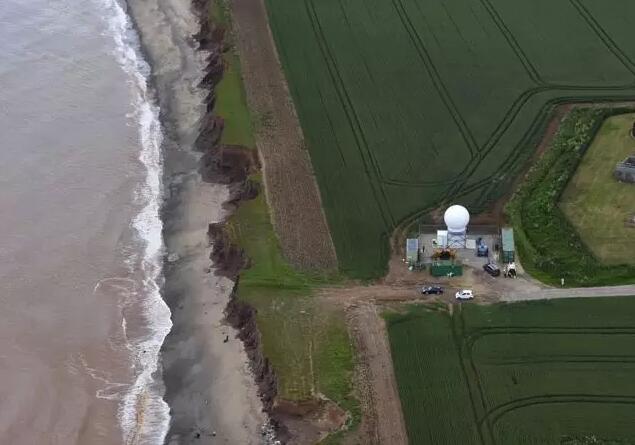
[
  {"x": 533, "y": 73},
  {"x": 514, "y": 156},
  {"x": 500, "y": 411},
  {"x": 290, "y": 183},
  {"x": 458, "y": 341},
  {"x": 351, "y": 115},
  {"x": 478, "y": 334},
  {"x": 562, "y": 358},
  {"x": 604, "y": 36},
  {"x": 468, "y": 351},
  {"x": 435, "y": 77}
]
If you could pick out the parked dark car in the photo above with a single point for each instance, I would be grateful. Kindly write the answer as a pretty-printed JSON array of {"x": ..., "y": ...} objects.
[
  {"x": 427, "y": 290},
  {"x": 492, "y": 269}
]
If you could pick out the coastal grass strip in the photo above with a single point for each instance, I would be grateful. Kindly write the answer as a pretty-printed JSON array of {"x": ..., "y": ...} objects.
[{"x": 307, "y": 343}]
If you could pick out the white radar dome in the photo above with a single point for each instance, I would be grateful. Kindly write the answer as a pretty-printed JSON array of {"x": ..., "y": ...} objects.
[{"x": 456, "y": 218}]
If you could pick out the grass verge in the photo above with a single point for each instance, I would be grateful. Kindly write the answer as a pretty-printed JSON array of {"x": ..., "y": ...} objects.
[
  {"x": 547, "y": 243},
  {"x": 307, "y": 343}
]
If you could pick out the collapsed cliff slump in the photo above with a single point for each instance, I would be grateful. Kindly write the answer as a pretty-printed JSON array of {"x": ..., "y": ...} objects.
[
  {"x": 230, "y": 260},
  {"x": 231, "y": 165}
]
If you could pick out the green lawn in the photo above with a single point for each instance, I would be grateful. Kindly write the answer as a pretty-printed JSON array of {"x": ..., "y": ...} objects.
[
  {"x": 598, "y": 205},
  {"x": 409, "y": 104},
  {"x": 539, "y": 373},
  {"x": 307, "y": 343}
]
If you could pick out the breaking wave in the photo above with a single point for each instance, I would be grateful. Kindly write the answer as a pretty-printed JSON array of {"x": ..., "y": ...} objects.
[{"x": 143, "y": 413}]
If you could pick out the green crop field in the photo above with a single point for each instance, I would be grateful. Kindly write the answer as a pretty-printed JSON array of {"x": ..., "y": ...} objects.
[
  {"x": 409, "y": 104},
  {"x": 539, "y": 373}
]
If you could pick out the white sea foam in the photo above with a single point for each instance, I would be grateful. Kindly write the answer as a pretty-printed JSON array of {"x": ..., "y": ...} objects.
[{"x": 143, "y": 413}]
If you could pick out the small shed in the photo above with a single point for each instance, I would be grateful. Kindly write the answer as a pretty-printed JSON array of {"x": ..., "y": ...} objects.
[
  {"x": 412, "y": 250},
  {"x": 507, "y": 237},
  {"x": 442, "y": 238},
  {"x": 625, "y": 170}
]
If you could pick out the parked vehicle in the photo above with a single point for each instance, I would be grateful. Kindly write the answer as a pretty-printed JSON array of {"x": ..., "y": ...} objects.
[
  {"x": 427, "y": 290},
  {"x": 481, "y": 248},
  {"x": 492, "y": 269},
  {"x": 464, "y": 294}
]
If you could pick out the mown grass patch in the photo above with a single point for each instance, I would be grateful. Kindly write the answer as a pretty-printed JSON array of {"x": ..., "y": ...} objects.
[
  {"x": 548, "y": 244},
  {"x": 306, "y": 342},
  {"x": 537, "y": 373},
  {"x": 596, "y": 203}
]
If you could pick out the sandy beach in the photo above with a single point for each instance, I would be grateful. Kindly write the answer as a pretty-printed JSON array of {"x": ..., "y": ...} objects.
[{"x": 209, "y": 386}]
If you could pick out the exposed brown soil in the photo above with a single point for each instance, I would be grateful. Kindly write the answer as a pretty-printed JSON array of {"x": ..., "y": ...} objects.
[
  {"x": 310, "y": 421},
  {"x": 382, "y": 420},
  {"x": 227, "y": 164},
  {"x": 290, "y": 185}
]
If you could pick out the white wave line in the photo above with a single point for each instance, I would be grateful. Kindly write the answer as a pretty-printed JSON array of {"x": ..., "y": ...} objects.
[{"x": 143, "y": 413}]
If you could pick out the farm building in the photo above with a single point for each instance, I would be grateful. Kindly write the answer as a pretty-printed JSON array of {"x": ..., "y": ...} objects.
[
  {"x": 507, "y": 237},
  {"x": 625, "y": 170}
]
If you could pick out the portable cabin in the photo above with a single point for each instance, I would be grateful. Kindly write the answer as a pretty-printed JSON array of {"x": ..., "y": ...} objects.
[
  {"x": 442, "y": 238},
  {"x": 507, "y": 237},
  {"x": 412, "y": 250}
]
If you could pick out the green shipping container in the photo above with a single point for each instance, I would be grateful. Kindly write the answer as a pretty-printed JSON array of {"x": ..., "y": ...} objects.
[
  {"x": 507, "y": 236},
  {"x": 445, "y": 267}
]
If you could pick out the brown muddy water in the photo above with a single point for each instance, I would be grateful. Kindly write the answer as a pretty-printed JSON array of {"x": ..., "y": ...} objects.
[
  {"x": 81, "y": 317},
  {"x": 97, "y": 177}
]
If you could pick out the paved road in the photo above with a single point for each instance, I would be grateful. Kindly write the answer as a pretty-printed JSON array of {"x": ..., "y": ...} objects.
[{"x": 577, "y": 292}]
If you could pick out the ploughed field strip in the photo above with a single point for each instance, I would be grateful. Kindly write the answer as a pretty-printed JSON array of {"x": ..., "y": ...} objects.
[
  {"x": 409, "y": 103},
  {"x": 549, "y": 372}
]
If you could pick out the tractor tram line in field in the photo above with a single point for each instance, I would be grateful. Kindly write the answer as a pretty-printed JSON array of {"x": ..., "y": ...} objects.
[
  {"x": 351, "y": 115},
  {"x": 494, "y": 415},
  {"x": 449, "y": 55},
  {"x": 491, "y": 416},
  {"x": 531, "y": 70},
  {"x": 465, "y": 354},
  {"x": 468, "y": 143},
  {"x": 437, "y": 81},
  {"x": 603, "y": 35},
  {"x": 490, "y": 397},
  {"x": 405, "y": 105},
  {"x": 457, "y": 336}
]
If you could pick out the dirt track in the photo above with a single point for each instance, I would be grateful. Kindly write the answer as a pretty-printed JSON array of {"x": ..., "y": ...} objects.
[
  {"x": 291, "y": 188},
  {"x": 383, "y": 421}
]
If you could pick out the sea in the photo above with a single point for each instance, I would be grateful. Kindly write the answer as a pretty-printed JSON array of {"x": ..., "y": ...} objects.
[{"x": 82, "y": 320}]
